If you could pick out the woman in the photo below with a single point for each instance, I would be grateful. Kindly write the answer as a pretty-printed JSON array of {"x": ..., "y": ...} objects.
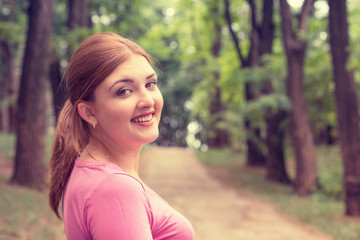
[{"x": 114, "y": 108}]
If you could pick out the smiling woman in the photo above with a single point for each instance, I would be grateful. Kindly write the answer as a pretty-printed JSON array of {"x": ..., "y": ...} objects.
[
  {"x": 126, "y": 112},
  {"x": 114, "y": 108}
]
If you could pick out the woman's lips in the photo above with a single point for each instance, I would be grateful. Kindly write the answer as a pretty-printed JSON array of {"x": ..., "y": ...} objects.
[{"x": 143, "y": 118}]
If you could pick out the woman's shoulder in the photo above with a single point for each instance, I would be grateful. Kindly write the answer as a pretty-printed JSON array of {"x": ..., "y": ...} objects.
[
  {"x": 106, "y": 175},
  {"x": 120, "y": 181},
  {"x": 96, "y": 182},
  {"x": 119, "y": 186}
]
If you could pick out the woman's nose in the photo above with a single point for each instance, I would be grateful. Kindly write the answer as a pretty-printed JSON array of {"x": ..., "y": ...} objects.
[{"x": 145, "y": 99}]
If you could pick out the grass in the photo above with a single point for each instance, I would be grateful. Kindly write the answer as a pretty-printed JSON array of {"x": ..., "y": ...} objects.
[
  {"x": 7, "y": 143},
  {"x": 24, "y": 213},
  {"x": 324, "y": 209}
]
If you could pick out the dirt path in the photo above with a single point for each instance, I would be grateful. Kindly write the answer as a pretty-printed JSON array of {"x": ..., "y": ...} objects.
[{"x": 215, "y": 211}]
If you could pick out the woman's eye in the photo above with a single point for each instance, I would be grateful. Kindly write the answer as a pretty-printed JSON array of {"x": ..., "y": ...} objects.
[
  {"x": 151, "y": 84},
  {"x": 123, "y": 92}
]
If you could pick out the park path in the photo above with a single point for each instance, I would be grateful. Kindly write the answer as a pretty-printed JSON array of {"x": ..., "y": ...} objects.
[{"x": 216, "y": 211}]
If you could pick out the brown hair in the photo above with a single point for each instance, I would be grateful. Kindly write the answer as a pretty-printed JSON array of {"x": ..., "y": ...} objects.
[{"x": 91, "y": 63}]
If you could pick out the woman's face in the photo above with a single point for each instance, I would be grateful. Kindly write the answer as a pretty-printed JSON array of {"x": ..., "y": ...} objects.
[{"x": 128, "y": 104}]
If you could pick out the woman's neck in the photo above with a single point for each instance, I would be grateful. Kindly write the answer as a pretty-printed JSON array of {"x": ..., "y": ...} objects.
[{"x": 126, "y": 158}]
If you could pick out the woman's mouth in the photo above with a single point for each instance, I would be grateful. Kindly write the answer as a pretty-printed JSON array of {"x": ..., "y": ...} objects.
[{"x": 142, "y": 118}]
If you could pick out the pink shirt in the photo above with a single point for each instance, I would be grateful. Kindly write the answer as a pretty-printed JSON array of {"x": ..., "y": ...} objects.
[{"x": 103, "y": 202}]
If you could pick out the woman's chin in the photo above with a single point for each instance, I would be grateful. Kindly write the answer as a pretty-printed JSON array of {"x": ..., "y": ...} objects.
[
  {"x": 153, "y": 139},
  {"x": 150, "y": 138}
]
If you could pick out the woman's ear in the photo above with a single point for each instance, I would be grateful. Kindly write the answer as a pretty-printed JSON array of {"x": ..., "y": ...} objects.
[{"x": 85, "y": 111}]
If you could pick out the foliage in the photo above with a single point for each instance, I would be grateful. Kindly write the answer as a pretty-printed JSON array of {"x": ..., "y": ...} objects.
[
  {"x": 13, "y": 22},
  {"x": 331, "y": 173},
  {"x": 354, "y": 32},
  {"x": 179, "y": 36},
  {"x": 10, "y": 30},
  {"x": 319, "y": 86}
]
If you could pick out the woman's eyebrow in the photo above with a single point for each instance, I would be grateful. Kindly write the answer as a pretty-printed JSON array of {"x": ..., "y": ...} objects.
[
  {"x": 130, "y": 80},
  {"x": 121, "y": 80},
  {"x": 151, "y": 75}
]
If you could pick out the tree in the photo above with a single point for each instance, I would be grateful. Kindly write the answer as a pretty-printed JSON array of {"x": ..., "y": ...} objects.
[
  {"x": 261, "y": 43},
  {"x": 8, "y": 51},
  {"x": 275, "y": 137},
  {"x": 78, "y": 17},
  {"x": 201, "y": 45},
  {"x": 29, "y": 159},
  {"x": 275, "y": 130},
  {"x": 300, "y": 131},
  {"x": 218, "y": 137},
  {"x": 255, "y": 157},
  {"x": 347, "y": 105}
]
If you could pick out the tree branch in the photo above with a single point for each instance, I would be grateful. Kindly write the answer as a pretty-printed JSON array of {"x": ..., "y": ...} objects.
[
  {"x": 286, "y": 21},
  {"x": 267, "y": 27},
  {"x": 255, "y": 47},
  {"x": 233, "y": 34},
  {"x": 304, "y": 15},
  {"x": 289, "y": 37},
  {"x": 252, "y": 5}
]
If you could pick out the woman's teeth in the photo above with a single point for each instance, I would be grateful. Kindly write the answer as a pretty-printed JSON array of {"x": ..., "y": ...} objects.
[{"x": 143, "y": 119}]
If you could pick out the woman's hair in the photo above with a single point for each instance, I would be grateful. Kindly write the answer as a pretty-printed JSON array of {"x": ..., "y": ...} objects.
[{"x": 94, "y": 60}]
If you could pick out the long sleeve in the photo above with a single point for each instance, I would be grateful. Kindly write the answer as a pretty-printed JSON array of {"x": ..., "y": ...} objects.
[{"x": 118, "y": 208}]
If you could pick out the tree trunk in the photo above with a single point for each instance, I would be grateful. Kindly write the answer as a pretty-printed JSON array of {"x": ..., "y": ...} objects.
[
  {"x": 261, "y": 43},
  {"x": 275, "y": 162},
  {"x": 6, "y": 86},
  {"x": 78, "y": 15},
  {"x": 300, "y": 131},
  {"x": 329, "y": 137},
  {"x": 275, "y": 131},
  {"x": 347, "y": 107},
  {"x": 57, "y": 86},
  {"x": 29, "y": 159},
  {"x": 255, "y": 156},
  {"x": 218, "y": 137},
  {"x": 7, "y": 93},
  {"x": 254, "y": 140}
]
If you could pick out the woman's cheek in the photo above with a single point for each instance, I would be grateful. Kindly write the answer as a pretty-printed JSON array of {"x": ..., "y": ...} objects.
[{"x": 160, "y": 101}]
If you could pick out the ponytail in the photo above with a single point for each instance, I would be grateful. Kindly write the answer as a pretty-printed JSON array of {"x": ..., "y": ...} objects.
[{"x": 63, "y": 156}]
